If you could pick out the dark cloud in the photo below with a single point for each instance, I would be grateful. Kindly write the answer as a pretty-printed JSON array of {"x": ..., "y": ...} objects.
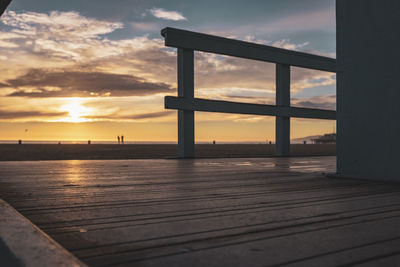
[
  {"x": 321, "y": 105},
  {"x": 241, "y": 96},
  {"x": 115, "y": 116},
  {"x": 250, "y": 99},
  {"x": 79, "y": 83},
  {"x": 153, "y": 115},
  {"x": 29, "y": 114}
]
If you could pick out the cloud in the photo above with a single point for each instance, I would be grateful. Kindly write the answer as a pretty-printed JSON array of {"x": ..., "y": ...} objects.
[
  {"x": 214, "y": 72},
  {"x": 145, "y": 26},
  {"x": 70, "y": 25},
  {"x": 63, "y": 35},
  {"x": 319, "y": 102},
  {"x": 28, "y": 114},
  {"x": 167, "y": 15},
  {"x": 141, "y": 116},
  {"x": 6, "y": 44},
  {"x": 49, "y": 57},
  {"x": 152, "y": 115},
  {"x": 243, "y": 95},
  {"x": 50, "y": 83},
  {"x": 147, "y": 58},
  {"x": 52, "y": 43},
  {"x": 286, "y": 44}
]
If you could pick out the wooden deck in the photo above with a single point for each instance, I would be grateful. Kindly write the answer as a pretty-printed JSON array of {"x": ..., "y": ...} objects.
[{"x": 208, "y": 212}]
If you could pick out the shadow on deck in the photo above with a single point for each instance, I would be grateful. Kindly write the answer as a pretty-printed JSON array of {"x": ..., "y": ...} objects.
[{"x": 208, "y": 212}]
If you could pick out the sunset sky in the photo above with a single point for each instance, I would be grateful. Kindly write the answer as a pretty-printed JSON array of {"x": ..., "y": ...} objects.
[{"x": 79, "y": 70}]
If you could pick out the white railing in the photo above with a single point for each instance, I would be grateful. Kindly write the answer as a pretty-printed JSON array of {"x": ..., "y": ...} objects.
[{"x": 187, "y": 42}]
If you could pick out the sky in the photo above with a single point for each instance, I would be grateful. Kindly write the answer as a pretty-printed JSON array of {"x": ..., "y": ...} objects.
[{"x": 79, "y": 70}]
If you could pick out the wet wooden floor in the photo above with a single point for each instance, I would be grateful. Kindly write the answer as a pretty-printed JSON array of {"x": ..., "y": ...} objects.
[{"x": 208, "y": 212}]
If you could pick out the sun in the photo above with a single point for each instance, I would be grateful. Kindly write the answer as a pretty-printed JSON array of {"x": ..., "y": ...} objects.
[{"x": 76, "y": 111}]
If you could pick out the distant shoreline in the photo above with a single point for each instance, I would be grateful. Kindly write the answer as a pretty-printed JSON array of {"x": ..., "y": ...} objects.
[{"x": 27, "y": 152}]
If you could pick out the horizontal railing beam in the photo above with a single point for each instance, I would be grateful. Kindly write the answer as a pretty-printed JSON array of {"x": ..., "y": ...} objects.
[
  {"x": 198, "y": 104},
  {"x": 225, "y": 46}
]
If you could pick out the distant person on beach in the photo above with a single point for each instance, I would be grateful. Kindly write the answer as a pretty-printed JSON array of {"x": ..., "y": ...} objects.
[
  {"x": 122, "y": 139},
  {"x": 119, "y": 141}
]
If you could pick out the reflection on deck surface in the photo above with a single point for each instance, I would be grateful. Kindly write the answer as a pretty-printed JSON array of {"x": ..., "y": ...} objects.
[{"x": 208, "y": 212}]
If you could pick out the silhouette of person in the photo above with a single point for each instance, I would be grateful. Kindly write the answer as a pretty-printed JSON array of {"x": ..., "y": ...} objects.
[
  {"x": 118, "y": 139},
  {"x": 122, "y": 139}
]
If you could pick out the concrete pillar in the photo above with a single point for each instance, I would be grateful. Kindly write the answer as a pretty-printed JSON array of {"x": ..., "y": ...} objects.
[
  {"x": 186, "y": 117},
  {"x": 368, "y": 89},
  {"x": 282, "y": 125}
]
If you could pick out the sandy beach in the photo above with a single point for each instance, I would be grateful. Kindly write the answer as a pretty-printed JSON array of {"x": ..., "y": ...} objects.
[{"x": 15, "y": 152}]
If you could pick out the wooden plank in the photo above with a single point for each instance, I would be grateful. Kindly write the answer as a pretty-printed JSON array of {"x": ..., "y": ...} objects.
[
  {"x": 225, "y": 46},
  {"x": 336, "y": 246},
  {"x": 282, "y": 123},
  {"x": 198, "y": 104},
  {"x": 272, "y": 245},
  {"x": 186, "y": 90},
  {"x": 201, "y": 212}
]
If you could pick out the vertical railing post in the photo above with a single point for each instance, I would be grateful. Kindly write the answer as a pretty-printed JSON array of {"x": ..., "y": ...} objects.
[
  {"x": 186, "y": 90},
  {"x": 282, "y": 128}
]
